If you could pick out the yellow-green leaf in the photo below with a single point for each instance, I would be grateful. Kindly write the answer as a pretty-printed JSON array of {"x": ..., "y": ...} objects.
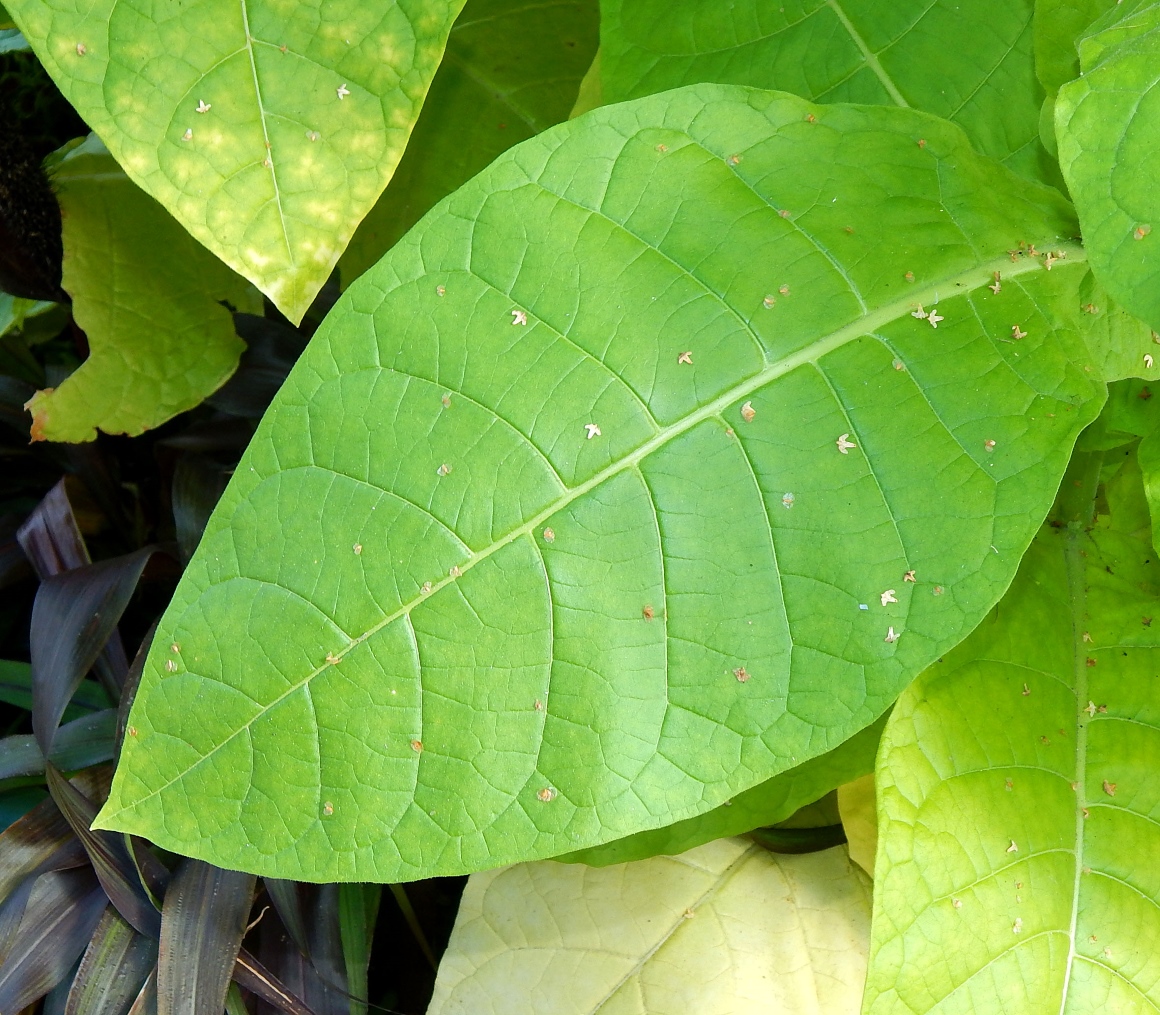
[{"x": 724, "y": 929}]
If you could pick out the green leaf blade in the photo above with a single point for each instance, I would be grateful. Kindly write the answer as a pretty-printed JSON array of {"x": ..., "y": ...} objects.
[
  {"x": 1105, "y": 123},
  {"x": 1016, "y": 794},
  {"x": 931, "y": 56},
  {"x": 267, "y": 129},
  {"x": 526, "y": 641}
]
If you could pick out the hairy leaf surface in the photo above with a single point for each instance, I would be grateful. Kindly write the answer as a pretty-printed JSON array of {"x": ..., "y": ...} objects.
[
  {"x": 267, "y": 128},
  {"x": 1019, "y": 814},
  {"x": 725, "y": 929},
  {"x": 147, "y": 295},
  {"x": 971, "y": 62},
  {"x": 580, "y": 513},
  {"x": 512, "y": 68},
  {"x": 1106, "y": 124}
]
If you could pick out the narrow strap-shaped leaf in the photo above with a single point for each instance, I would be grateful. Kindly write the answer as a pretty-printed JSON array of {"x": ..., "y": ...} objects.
[
  {"x": 593, "y": 504},
  {"x": 78, "y": 744},
  {"x": 73, "y": 615},
  {"x": 312, "y": 966},
  {"x": 109, "y": 854},
  {"x": 51, "y": 538},
  {"x": 114, "y": 968},
  {"x": 726, "y": 927},
  {"x": 146, "y": 1001},
  {"x": 258, "y": 980},
  {"x": 132, "y": 681},
  {"x": 1018, "y": 801},
  {"x": 202, "y": 923},
  {"x": 358, "y": 908},
  {"x": 62, "y": 913},
  {"x": 16, "y": 689}
]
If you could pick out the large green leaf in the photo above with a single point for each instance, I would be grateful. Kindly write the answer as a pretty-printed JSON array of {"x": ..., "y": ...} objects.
[
  {"x": 971, "y": 62},
  {"x": 1019, "y": 813},
  {"x": 767, "y": 803},
  {"x": 512, "y": 69},
  {"x": 268, "y": 128},
  {"x": 1106, "y": 124},
  {"x": 150, "y": 301},
  {"x": 633, "y": 556},
  {"x": 726, "y": 929}
]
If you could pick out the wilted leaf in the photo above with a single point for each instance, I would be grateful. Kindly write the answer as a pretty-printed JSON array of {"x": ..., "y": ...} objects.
[
  {"x": 512, "y": 69},
  {"x": 267, "y": 129},
  {"x": 1106, "y": 122},
  {"x": 725, "y": 929},
  {"x": 113, "y": 970},
  {"x": 767, "y": 803},
  {"x": 633, "y": 555},
  {"x": 1018, "y": 803},
  {"x": 971, "y": 63},
  {"x": 202, "y": 924},
  {"x": 149, "y": 298}
]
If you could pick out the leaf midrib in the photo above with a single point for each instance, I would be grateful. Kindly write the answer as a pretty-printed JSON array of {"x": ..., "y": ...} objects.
[
  {"x": 959, "y": 285},
  {"x": 870, "y": 58}
]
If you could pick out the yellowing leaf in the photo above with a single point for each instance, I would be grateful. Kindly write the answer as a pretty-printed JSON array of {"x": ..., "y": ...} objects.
[
  {"x": 150, "y": 300},
  {"x": 724, "y": 929},
  {"x": 268, "y": 128}
]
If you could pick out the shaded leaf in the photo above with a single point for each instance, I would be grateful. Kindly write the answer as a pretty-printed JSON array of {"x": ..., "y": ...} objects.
[
  {"x": 305, "y": 112},
  {"x": 1058, "y": 25},
  {"x": 16, "y": 689},
  {"x": 972, "y": 63},
  {"x": 202, "y": 924},
  {"x": 859, "y": 819},
  {"x": 73, "y": 615},
  {"x": 511, "y": 70},
  {"x": 1106, "y": 122},
  {"x": 343, "y": 692},
  {"x": 115, "y": 966},
  {"x": 51, "y": 538},
  {"x": 726, "y": 927},
  {"x": 59, "y": 920},
  {"x": 358, "y": 909},
  {"x": 78, "y": 744},
  {"x": 799, "y": 840},
  {"x": 258, "y": 980},
  {"x": 146, "y": 1001},
  {"x": 271, "y": 350},
  {"x": 767, "y": 803},
  {"x": 30, "y": 249},
  {"x": 132, "y": 884},
  {"x": 1013, "y": 871},
  {"x": 150, "y": 300},
  {"x": 312, "y": 966}
]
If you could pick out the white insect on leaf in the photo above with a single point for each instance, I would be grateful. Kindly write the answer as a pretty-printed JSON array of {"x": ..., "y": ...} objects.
[
  {"x": 1148, "y": 361},
  {"x": 203, "y": 106},
  {"x": 1012, "y": 848},
  {"x": 934, "y": 318},
  {"x": 593, "y": 430},
  {"x": 888, "y": 597},
  {"x": 891, "y": 636},
  {"x": 342, "y": 91},
  {"x": 748, "y": 412},
  {"x": 845, "y": 444},
  {"x": 686, "y": 357},
  {"x": 519, "y": 317},
  {"x": 919, "y": 313},
  {"x": 1017, "y": 332}
]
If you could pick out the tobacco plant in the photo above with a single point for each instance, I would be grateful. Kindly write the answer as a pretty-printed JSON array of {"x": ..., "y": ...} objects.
[{"x": 773, "y": 414}]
